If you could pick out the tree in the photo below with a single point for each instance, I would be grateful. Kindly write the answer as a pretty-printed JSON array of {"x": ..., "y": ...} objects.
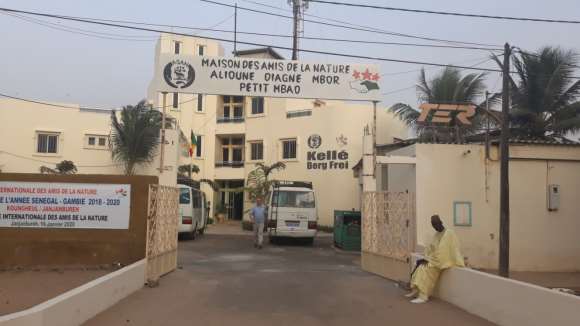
[
  {"x": 135, "y": 137},
  {"x": 545, "y": 95},
  {"x": 187, "y": 169},
  {"x": 448, "y": 87},
  {"x": 64, "y": 167},
  {"x": 258, "y": 183}
]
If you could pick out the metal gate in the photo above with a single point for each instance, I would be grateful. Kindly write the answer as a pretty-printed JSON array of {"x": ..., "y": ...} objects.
[
  {"x": 162, "y": 222},
  {"x": 388, "y": 233}
]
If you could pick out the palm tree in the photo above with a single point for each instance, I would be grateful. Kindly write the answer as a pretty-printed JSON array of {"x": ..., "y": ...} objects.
[
  {"x": 187, "y": 169},
  {"x": 135, "y": 137},
  {"x": 258, "y": 183},
  {"x": 448, "y": 87},
  {"x": 545, "y": 95}
]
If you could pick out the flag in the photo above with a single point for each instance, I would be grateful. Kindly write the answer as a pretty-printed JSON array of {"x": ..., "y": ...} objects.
[{"x": 193, "y": 144}]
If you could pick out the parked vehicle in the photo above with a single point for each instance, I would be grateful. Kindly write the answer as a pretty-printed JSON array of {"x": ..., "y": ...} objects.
[
  {"x": 292, "y": 210},
  {"x": 193, "y": 211}
]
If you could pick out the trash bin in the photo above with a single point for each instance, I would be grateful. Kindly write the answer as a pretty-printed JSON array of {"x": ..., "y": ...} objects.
[{"x": 347, "y": 230}]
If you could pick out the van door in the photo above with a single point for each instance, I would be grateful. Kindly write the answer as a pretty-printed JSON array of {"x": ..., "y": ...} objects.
[{"x": 294, "y": 210}]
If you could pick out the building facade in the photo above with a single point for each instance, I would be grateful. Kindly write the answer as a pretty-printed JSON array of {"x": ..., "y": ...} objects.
[
  {"x": 460, "y": 183},
  {"x": 319, "y": 141},
  {"x": 36, "y": 135}
]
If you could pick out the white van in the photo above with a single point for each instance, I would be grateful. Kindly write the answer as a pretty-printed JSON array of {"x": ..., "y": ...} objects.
[
  {"x": 292, "y": 210},
  {"x": 193, "y": 211}
]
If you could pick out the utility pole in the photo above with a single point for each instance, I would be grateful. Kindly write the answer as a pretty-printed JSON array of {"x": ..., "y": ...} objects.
[
  {"x": 298, "y": 8},
  {"x": 162, "y": 151},
  {"x": 236, "y": 29},
  {"x": 504, "y": 190}
]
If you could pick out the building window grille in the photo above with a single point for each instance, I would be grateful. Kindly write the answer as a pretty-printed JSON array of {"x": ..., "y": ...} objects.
[
  {"x": 257, "y": 151},
  {"x": 289, "y": 149},
  {"x": 47, "y": 143},
  {"x": 258, "y": 105}
]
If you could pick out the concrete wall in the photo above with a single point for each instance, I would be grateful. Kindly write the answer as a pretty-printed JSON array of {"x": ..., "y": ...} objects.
[
  {"x": 507, "y": 302},
  {"x": 81, "y": 304},
  {"x": 49, "y": 247},
  {"x": 540, "y": 240}
]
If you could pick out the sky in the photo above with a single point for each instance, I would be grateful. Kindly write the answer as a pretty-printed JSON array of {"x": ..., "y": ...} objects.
[{"x": 48, "y": 64}]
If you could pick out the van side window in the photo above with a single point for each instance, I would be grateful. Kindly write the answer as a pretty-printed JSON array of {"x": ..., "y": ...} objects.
[{"x": 184, "y": 196}]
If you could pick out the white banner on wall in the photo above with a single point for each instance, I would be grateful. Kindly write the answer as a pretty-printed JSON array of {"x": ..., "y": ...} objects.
[
  {"x": 267, "y": 78},
  {"x": 64, "y": 205}
]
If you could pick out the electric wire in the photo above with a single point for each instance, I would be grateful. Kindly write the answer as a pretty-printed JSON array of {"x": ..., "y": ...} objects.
[
  {"x": 346, "y": 55},
  {"x": 143, "y": 38},
  {"x": 448, "y": 13},
  {"x": 348, "y": 27}
]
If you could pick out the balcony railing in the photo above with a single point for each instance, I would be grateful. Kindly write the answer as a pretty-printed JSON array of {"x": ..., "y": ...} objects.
[
  {"x": 233, "y": 164},
  {"x": 230, "y": 119}
]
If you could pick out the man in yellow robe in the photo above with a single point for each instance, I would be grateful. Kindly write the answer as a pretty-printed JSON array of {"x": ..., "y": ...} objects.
[{"x": 442, "y": 253}]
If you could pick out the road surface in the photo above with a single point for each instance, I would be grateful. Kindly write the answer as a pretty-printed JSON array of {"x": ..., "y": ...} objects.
[{"x": 223, "y": 280}]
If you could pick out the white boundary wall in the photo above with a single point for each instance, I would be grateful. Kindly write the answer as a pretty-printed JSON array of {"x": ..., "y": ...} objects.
[
  {"x": 507, "y": 302},
  {"x": 84, "y": 302}
]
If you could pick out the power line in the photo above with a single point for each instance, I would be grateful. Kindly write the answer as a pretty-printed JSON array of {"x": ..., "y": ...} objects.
[
  {"x": 448, "y": 13},
  {"x": 149, "y": 38},
  {"x": 348, "y": 27},
  {"x": 346, "y": 55},
  {"x": 80, "y": 107}
]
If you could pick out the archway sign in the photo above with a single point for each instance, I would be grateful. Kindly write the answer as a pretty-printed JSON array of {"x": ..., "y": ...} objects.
[{"x": 267, "y": 78}]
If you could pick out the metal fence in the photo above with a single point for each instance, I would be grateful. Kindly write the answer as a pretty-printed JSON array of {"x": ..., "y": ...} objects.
[
  {"x": 388, "y": 224},
  {"x": 162, "y": 222}
]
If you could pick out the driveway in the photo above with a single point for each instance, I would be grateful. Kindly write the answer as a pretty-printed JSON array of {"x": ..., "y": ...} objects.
[{"x": 223, "y": 280}]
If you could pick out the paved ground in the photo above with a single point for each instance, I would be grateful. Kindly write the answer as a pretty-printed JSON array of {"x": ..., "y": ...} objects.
[
  {"x": 223, "y": 280},
  {"x": 21, "y": 290}
]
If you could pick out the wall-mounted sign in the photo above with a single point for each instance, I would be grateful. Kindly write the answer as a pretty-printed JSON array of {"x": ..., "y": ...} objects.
[
  {"x": 444, "y": 113},
  {"x": 64, "y": 205},
  {"x": 267, "y": 77},
  {"x": 324, "y": 159}
]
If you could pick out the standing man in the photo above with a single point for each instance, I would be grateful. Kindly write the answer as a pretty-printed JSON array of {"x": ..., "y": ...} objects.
[{"x": 258, "y": 216}]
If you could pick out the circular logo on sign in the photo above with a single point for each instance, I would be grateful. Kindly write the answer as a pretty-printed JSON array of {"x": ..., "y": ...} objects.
[
  {"x": 314, "y": 141},
  {"x": 179, "y": 74}
]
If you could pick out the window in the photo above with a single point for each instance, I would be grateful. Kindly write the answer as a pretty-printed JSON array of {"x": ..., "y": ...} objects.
[
  {"x": 176, "y": 100},
  {"x": 199, "y": 102},
  {"x": 184, "y": 196},
  {"x": 289, "y": 149},
  {"x": 258, "y": 105},
  {"x": 299, "y": 113},
  {"x": 198, "y": 148},
  {"x": 96, "y": 141},
  {"x": 200, "y": 50},
  {"x": 177, "y": 47},
  {"x": 47, "y": 143},
  {"x": 232, "y": 105},
  {"x": 232, "y": 151},
  {"x": 294, "y": 199},
  {"x": 257, "y": 151}
]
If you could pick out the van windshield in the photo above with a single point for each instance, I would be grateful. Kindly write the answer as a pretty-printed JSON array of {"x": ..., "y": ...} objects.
[
  {"x": 184, "y": 196},
  {"x": 294, "y": 199}
]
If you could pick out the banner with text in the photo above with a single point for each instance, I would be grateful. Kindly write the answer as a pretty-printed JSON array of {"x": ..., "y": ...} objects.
[
  {"x": 267, "y": 78},
  {"x": 64, "y": 205}
]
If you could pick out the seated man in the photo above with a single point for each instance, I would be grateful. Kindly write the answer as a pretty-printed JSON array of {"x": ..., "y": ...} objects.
[{"x": 442, "y": 253}]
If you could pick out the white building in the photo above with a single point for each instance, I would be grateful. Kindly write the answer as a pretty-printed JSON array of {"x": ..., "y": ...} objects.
[{"x": 233, "y": 134}]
